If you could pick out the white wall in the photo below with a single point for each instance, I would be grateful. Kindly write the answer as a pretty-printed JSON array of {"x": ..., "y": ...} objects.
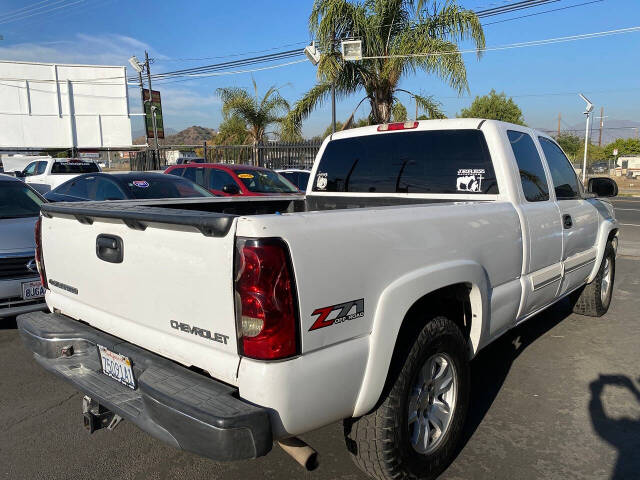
[{"x": 50, "y": 106}]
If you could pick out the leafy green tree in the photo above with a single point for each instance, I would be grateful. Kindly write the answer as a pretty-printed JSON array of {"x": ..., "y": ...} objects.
[
  {"x": 399, "y": 112},
  {"x": 232, "y": 131},
  {"x": 625, "y": 146},
  {"x": 570, "y": 143},
  {"x": 257, "y": 113},
  {"x": 494, "y": 106},
  {"x": 399, "y": 38},
  {"x": 594, "y": 154}
]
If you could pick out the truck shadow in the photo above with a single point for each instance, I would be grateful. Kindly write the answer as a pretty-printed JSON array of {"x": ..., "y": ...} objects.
[
  {"x": 621, "y": 432},
  {"x": 492, "y": 365},
  {"x": 8, "y": 323}
]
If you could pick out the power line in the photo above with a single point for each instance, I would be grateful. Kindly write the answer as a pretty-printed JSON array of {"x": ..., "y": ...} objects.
[
  {"x": 541, "y": 13},
  {"x": 22, "y": 9},
  {"x": 231, "y": 55},
  {"x": 42, "y": 12}
]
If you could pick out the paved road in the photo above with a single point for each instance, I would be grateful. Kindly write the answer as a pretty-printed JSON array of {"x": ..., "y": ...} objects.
[
  {"x": 558, "y": 397},
  {"x": 628, "y": 214}
]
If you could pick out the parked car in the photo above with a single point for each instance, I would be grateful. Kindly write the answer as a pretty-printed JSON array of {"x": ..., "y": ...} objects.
[
  {"x": 21, "y": 290},
  {"x": 224, "y": 324},
  {"x": 123, "y": 186},
  {"x": 298, "y": 176},
  {"x": 231, "y": 180},
  {"x": 46, "y": 174},
  {"x": 600, "y": 167}
]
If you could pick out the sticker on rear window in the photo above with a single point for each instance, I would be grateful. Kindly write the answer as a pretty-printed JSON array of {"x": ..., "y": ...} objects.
[
  {"x": 245, "y": 175},
  {"x": 141, "y": 183},
  {"x": 470, "y": 179},
  {"x": 321, "y": 181}
]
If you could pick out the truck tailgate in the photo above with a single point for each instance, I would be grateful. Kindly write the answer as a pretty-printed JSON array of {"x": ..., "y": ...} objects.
[{"x": 172, "y": 293}]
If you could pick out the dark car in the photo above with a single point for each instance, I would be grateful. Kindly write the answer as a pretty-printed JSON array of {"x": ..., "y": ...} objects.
[
  {"x": 124, "y": 186},
  {"x": 231, "y": 180},
  {"x": 600, "y": 167}
]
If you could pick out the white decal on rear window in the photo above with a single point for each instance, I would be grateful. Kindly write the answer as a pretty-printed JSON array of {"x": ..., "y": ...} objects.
[
  {"x": 321, "y": 181},
  {"x": 470, "y": 179}
]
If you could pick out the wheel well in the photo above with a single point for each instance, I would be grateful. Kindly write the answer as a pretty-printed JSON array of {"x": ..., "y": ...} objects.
[{"x": 452, "y": 301}]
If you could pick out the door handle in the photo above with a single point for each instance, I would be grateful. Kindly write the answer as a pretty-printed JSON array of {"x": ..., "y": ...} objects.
[
  {"x": 109, "y": 248},
  {"x": 567, "y": 221}
]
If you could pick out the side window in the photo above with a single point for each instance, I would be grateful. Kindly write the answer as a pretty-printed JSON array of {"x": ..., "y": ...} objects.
[
  {"x": 218, "y": 179},
  {"x": 40, "y": 168},
  {"x": 195, "y": 174},
  {"x": 177, "y": 172},
  {"x": 107, "y": 190},
  {"x": 563, "y": 175},
  {"x": 534, "y": 181},
  {"x": 82, "y": 188},
  {"x": 30, "y": 169}
]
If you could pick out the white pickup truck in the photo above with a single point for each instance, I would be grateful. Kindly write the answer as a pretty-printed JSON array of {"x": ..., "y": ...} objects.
[
  {"x": 45, "y": 174},
  {"x": 221, "y": 325}
]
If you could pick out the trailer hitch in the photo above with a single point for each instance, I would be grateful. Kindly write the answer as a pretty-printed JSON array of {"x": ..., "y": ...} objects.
[{"x": 95, "y": 416}]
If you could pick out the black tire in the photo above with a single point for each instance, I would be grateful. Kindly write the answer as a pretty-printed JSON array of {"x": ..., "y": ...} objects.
[
  {"x": 589, "y": 300},
  {"x": 380, "y": 441}
]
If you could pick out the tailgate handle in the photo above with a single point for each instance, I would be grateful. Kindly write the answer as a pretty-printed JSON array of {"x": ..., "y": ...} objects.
[{"x": 109, "y": 248}]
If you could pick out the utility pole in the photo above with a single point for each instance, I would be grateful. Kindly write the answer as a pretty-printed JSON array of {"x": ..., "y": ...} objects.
[
  {"x": 601, "y": 125},
  {"x": 146, "y": 132},
  {"x": 204, "y": 147},
  {"x": 559, "y": 121},
  {"x": 151, "y": 109},
  {"x": 586, "y": 146},
  {"x": 333, "y": 87}
]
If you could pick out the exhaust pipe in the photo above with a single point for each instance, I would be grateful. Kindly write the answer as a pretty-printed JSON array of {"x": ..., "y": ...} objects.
[{"x": 301, "y": 452}]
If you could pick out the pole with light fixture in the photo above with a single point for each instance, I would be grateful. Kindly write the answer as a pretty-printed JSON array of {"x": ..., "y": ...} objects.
[
  {"x": 587, "y": 112},
  {"x": 138, "y": 67},
  {"x": 152, "y": 108}
]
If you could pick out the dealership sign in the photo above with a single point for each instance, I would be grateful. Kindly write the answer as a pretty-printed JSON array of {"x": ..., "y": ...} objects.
[{"x": 148, "y": 111}]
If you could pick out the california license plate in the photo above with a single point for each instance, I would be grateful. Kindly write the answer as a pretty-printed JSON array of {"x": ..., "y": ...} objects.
[
  {"x": 117, "y": 367},
  {"x": 32, "y": 290}
]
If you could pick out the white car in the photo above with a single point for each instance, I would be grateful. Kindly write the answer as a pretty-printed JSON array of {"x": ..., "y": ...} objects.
[
  {"x": 46, "y": 174},
  {"x": 21, "y": 290},
  {"x": 220, "y": 325}
]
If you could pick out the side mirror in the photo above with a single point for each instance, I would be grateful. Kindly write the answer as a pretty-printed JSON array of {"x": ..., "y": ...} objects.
[
  {"x": 20, "y": 174},
  {"x": 602, "y": 187},
  {"x": 231, "y": 189}
]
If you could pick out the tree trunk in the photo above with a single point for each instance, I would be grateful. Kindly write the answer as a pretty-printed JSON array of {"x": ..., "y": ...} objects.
[{"x": 381, "y": 106}]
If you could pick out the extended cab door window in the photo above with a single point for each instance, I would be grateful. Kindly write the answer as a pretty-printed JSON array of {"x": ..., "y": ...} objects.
[
  {"x": 30, "y": 169},
  {"x": 579, "y": 218},
  {"x": 41, "y": 167},
  {"x": 532, "y": 176}
]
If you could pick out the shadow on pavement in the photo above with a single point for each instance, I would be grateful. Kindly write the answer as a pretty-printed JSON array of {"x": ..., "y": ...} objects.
[
  {"x": 491, "y": 367},
  {"x": 8, "y": 323},
  {"x": 623, "y": 433}
]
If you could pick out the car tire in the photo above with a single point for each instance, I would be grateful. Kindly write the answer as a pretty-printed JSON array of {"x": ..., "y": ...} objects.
[
  {"x": 431, "y": 378},
  {"x": 593, "y": 299}
]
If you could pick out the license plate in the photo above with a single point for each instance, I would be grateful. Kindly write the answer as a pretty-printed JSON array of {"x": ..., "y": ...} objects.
[
  {"x": 32, "y": 290},
  {"x": 116, "y": 366}
]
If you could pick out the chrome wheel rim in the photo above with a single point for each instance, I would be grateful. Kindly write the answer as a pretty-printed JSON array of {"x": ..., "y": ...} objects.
[
  {"x": 605, "y": 285},
  {"x": 432, "y": 402}
]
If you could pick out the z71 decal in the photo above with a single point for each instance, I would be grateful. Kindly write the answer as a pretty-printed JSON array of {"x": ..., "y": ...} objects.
[{"x": 344, "y": 313}]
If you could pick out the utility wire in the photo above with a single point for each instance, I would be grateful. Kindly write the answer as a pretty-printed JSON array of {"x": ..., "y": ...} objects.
[
  {"x": 22, "y": 10},
  {"x": 543, "y": 12},
  {"x": 42, "y": 12}
]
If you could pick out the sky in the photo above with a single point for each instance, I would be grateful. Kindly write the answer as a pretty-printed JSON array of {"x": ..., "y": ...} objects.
[{"x": 543, "y": 80}]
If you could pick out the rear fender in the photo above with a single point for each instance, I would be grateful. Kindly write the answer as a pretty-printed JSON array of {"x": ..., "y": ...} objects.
[{"x": 392, "y": 308}]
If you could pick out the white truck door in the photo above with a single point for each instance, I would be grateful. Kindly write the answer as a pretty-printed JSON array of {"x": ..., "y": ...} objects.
[
  {"x": 579, "y": 218},
  {"x": 542, "y": 267}
]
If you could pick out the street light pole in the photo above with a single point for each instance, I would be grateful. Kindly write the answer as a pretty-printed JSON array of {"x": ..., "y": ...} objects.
[
  {"x": 587, "y": 112},
  {"x": 146, "y": 132},
  {"x": 151, "y": 108}
]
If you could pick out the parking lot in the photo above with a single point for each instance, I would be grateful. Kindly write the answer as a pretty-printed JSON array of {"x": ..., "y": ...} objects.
[{"x": 558, "y": 397}]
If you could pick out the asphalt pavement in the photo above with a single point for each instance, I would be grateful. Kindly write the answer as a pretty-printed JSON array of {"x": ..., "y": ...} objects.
[{"x": 558, "y": 397}]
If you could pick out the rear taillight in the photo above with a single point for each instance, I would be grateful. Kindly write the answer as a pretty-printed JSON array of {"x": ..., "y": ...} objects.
[
  {"x": 265, "y": 299},
  {"x": 397, "y": 126},
  {"x": 39, "y": 257}
]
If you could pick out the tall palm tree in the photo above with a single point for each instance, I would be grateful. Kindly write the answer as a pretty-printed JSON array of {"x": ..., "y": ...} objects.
[
  {"x": 400, "y": 37},
  {"x": 257, "y": 113}
]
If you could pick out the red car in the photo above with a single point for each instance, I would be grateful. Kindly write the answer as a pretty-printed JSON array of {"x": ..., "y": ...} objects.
[{"x": 230, "y": 180}]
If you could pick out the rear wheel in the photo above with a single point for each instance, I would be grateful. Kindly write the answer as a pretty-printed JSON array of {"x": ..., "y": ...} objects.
[
  {"x": 594, "y": 299},
  {"x": 414, "y": 431}
]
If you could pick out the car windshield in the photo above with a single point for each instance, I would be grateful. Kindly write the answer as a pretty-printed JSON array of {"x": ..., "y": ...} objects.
[
  {"x": 18, "y": 201},
  {"x": 265, "y": 181},
  {"x": 168, "y": 186},
  {"x": 74, "y": 167}
]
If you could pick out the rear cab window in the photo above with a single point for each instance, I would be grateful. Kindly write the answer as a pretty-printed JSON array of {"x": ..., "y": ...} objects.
[
  {"x": 532, "y": 176},
  {"x": 432, "y": 161},
  {"x": 73, "y": 167}
]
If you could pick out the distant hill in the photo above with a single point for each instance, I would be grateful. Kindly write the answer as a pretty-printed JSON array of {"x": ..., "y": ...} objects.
[{"x": 194, "y": 135}]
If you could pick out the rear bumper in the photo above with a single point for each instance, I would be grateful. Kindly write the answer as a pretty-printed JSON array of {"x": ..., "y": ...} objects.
[{"x": 172, "y": 403}]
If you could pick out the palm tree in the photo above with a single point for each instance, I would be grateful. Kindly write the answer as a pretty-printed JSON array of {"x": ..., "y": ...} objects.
[
  {"x": 399, "y": 37},
  {"x": 257, "y": 113}
]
